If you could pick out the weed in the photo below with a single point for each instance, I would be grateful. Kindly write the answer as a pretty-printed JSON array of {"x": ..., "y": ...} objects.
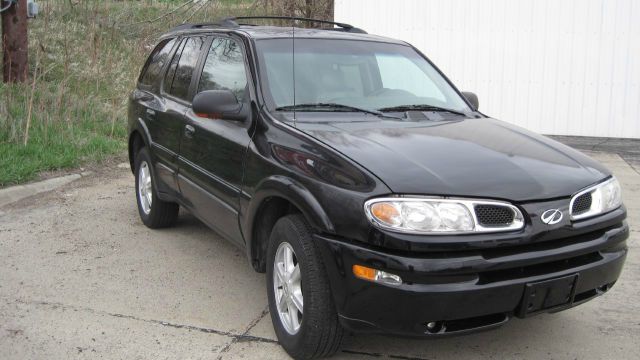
[{"x": 84, "y": 59}]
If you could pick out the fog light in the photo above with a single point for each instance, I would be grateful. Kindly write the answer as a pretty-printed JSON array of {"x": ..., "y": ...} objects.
[
  {"x": 434, "y": 327},
  {"x": 380, "y": 276}
]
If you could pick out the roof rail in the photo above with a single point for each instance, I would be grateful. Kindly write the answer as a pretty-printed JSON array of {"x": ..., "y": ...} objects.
[
  {"x": 343, "y": 26},
  {"x": 223, "y": 23},
  {"x": 230, "y": 22}
]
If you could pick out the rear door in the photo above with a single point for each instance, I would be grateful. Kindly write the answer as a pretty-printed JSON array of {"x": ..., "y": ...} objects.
[
  {"x": 148, "y": 102},
  {"x": 212, "y": 150},
  {"x": 176, "y": 94}
]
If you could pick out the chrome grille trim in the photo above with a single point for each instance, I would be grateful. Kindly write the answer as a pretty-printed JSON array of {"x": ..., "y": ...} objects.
[
  {"x": 582, "y": 203},
  {"x": 494, "y": 215},
  {"x": 516, "y": 224},
  {"x": 588, "y": 212}
]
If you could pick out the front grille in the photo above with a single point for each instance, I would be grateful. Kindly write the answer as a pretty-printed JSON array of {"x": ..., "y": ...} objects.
[
  {"x": 494, "y": 215},
  {"x": 581, "y": 204}
]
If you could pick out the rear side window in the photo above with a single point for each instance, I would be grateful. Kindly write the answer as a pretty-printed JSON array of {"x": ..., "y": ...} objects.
[
  {"x": 181, "y": 70},
  {"x": 156, "y": 61},
  {"x": 224, "y": 68},
  {"x": 171, "y": 71}
]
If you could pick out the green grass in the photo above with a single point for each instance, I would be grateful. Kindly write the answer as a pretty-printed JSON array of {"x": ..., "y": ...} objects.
[
  {"x": 61, "y": 150},
  {"x": 84, "y": 57}
]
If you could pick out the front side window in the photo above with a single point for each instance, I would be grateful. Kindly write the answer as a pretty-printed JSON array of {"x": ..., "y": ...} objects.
[
  {"x": 363, "y": 74},
  {"x": 180, "y": 73},
  {"x": 155, "y": 63},
  {"x": 224, "y": 68}
]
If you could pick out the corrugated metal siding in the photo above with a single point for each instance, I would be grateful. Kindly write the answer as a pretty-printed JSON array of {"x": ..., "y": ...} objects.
[{"x": 568, "y": 67}]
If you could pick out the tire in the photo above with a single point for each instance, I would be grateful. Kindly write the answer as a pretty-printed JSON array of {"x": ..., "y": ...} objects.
[
  {"x": 319, "y": 333},
  {"x": 154, "y": 213}
]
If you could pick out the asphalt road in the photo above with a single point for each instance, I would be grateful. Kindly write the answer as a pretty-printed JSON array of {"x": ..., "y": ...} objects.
[{"x": 81, "y": 277}]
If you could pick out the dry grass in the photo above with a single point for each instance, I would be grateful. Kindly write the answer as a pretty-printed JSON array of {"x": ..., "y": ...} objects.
[{"x": 84, "y": 58}]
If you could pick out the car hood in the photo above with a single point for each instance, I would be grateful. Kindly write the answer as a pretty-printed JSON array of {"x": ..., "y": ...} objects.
[{"x": 473, "y": 157}]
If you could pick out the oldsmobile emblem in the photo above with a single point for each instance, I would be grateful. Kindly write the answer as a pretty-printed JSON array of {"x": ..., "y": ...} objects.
[{"x": 551, "y": 216}]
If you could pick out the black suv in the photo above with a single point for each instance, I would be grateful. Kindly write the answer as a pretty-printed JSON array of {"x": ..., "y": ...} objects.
[{"x": 370, "y": 190}]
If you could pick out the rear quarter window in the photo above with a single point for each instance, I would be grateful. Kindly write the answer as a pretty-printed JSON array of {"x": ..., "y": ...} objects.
[{"x": 156, "y": 61}]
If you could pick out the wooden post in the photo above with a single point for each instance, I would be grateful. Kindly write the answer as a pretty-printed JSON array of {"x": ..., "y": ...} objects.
[{"x": 14, "y": 42}]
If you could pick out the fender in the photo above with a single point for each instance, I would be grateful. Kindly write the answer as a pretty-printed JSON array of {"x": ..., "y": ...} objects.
[
  {"x": 142, "y": 129},
  {"x": 146, "y": 135},
  {"x": 292, "y": 191}
]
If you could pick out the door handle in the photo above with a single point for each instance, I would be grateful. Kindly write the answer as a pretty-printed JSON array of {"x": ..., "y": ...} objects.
[
  {"x": 151, "y": 114},
  {"x": 189, "y": 130}
]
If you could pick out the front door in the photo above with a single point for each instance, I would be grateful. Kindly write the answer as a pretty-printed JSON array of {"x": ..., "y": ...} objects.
[{"x": 212, "y": 150}]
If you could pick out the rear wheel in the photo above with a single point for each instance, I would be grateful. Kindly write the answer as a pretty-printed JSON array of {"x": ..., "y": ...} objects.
[
  {"x": 154, "y": 212},
  {"x": 302, "y": 310}
]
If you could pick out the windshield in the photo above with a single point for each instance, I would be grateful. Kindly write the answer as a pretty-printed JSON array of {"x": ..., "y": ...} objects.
[{"x": 359, "y": 74}]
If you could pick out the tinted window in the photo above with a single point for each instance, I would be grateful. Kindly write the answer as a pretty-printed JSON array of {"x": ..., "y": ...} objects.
[
  {"x": 371, "y": 75},
  {"x": 179, "y": 87},
  {"x": 171, "y": 71},
  {"x": 224, "y": 68},
  {"x": 156, "y": 61}
]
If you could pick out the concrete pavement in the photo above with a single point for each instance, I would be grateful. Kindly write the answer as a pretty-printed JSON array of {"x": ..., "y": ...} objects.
[{"x": 81, "y": 277}]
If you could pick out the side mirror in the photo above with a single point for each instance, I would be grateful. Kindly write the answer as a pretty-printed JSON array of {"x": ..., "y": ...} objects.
[
  {"x": 472, "y": 98},
  {"x": 219, "y": 104}
]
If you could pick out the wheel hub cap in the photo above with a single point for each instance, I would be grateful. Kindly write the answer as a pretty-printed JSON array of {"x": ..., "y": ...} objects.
[
  {"x": 287, "y": 286},
  {"x": 145, "y": 192}
]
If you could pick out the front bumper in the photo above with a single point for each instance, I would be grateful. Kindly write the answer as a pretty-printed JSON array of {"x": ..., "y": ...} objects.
[{"x": 464, "y": 291}]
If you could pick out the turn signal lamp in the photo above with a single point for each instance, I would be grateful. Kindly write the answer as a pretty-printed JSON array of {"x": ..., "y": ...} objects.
[{"x": 367, "y": 273}]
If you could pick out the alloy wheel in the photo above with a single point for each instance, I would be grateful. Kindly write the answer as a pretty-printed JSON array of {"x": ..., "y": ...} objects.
[
  {"x": 145, "y": 192},
  {"x": 287, "y": 286}
]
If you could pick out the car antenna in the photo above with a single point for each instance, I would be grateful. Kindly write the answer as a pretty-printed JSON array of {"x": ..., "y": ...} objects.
[{"x": 293, "y": 60}]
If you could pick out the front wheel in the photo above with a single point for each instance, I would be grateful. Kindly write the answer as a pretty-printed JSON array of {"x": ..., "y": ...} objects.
[
  {"x": 302, "y": 310},
  {"x": 154, "y": 212}
]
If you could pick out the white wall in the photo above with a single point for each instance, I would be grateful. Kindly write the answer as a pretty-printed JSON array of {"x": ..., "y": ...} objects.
[{"x": 565, "y": 67}]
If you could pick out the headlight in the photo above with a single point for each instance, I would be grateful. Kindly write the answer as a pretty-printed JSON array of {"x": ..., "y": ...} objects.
[
  {"x": 438, "y": 216},
  {"x": 596, "y": 200}
]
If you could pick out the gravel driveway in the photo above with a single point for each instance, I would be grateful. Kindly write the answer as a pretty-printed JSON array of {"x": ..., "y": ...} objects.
[{"x": 81, "y": 277}]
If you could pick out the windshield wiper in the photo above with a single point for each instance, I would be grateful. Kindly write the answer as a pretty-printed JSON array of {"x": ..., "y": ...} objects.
[
  {"x": 333, "y": 107},
  {"x": 420, "y": 107}
]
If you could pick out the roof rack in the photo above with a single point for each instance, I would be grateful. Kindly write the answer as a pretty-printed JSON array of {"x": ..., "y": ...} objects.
[
  {"x": 223, "y": 23},
  {"x": 343, "y": 26},
  {"x": 230, "y": 22}
]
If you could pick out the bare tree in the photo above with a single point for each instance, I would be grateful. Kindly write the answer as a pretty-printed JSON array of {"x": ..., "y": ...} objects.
[{"x": 317, "y": 9}]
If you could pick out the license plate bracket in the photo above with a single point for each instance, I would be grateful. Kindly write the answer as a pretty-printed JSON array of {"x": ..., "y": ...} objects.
[{"x": 548, "y": 295}]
